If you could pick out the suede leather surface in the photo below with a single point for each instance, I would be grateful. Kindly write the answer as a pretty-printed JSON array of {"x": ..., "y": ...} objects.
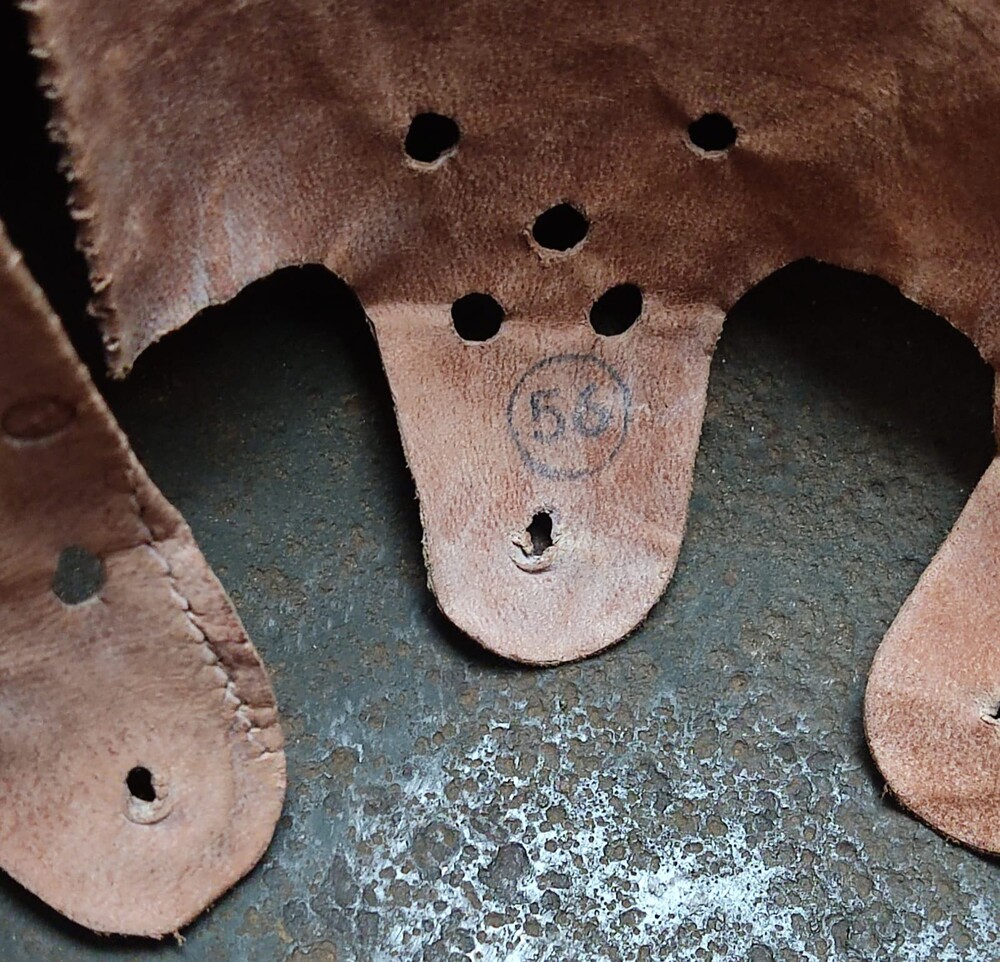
[
  {"x": 152, "y": 672},
  {"x": 212, "y": 142}
]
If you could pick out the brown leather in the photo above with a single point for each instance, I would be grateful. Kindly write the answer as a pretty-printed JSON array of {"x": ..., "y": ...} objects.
[
  {"x": 211, "y": 143},
  {"x": 154, "y": 672},
  {"x": 934, "y": 690},
  {"x": 615, "y": 541}
]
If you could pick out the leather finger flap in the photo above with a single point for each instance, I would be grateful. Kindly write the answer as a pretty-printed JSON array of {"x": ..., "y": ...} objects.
[
  {"x": 414, "y": 148},
  {"x": 553, "y": 465},
  {"x": 141, "y": 762},
  {"x": 933, "y": 694},
  {"x": 645, "y": 143}
]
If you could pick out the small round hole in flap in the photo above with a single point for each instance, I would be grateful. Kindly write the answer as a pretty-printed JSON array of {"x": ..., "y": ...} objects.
[
  {"x": 616, "y": 310},
  {"x": 560, "y": 228},
  {"x": 713, "y": 133},
  {"x": 79, "y": 576},
  {"x": 477, "y": 317},
  {"x": 139, "y": 782},
  {"x": 147, "y": 798},
  {"x": 430, "y": 137}
]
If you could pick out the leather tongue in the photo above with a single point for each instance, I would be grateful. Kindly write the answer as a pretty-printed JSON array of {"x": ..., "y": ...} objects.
[
  {"x": 141, "y": 762},
  {"x": 553, "y": 467},
  {"x": 934, "y": 688}
]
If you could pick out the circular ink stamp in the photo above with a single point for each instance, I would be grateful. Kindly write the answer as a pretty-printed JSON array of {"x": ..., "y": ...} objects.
[{"x": 569, "y": 416}]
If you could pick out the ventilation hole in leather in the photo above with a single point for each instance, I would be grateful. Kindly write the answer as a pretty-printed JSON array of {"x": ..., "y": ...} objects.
[
  {"x": 714, "y": 133},
  {"x": 540, "y": 533},
  {"x": 139, "y": 782},
  {"x": 560, "y": 228},
  {"x": 616, "y": 310},
  {"x": 430, "y": 137},
  {"x": 477, "y": 317},
  {"x": 79, "y": 576}
]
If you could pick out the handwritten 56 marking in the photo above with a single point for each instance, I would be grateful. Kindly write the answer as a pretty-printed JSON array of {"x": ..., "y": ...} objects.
[{"x": 569, "y": 415}]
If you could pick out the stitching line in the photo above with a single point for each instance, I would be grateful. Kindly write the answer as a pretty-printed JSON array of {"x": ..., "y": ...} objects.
[{"x": 241, "y": 709}]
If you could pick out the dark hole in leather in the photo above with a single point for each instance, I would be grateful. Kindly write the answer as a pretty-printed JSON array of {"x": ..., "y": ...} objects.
[
  {"x": 477, "y": 317},
  {"x": 139, "y": 782},
  {"x": 79, "y": 576},
  {"x": 712, "y": 132},
  {"x": 560, "y": 228},
  {"x": 540, "y": 532},
  {"x": 616, "y": 310},
  {"x": 430, "y": 137}
]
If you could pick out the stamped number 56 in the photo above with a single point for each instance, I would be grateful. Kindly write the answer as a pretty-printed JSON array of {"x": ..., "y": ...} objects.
[{"x": 588, "y": 417}]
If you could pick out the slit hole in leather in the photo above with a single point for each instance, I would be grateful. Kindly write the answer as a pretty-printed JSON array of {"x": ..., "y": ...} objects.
[
  {"x": 616, "y": 310},
  {"x": 139, "y": 782},
  {"x": 713, "y": 133},
  {"x": 79, "y": 576},
  {"x": 540, "y": 533},
  {"x": 430, "y": 138},
  {"x": 477, "y": 317},
  {"x": 560, "y": 228}
]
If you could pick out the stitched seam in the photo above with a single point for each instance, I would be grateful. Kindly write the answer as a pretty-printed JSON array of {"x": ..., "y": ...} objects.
[{"x": 231, "y": 695}]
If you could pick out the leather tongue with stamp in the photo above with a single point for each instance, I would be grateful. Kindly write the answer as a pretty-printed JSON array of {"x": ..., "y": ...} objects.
[
  {"x": 141, "y": 762},
  {"x": 554, "y": 472}
]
